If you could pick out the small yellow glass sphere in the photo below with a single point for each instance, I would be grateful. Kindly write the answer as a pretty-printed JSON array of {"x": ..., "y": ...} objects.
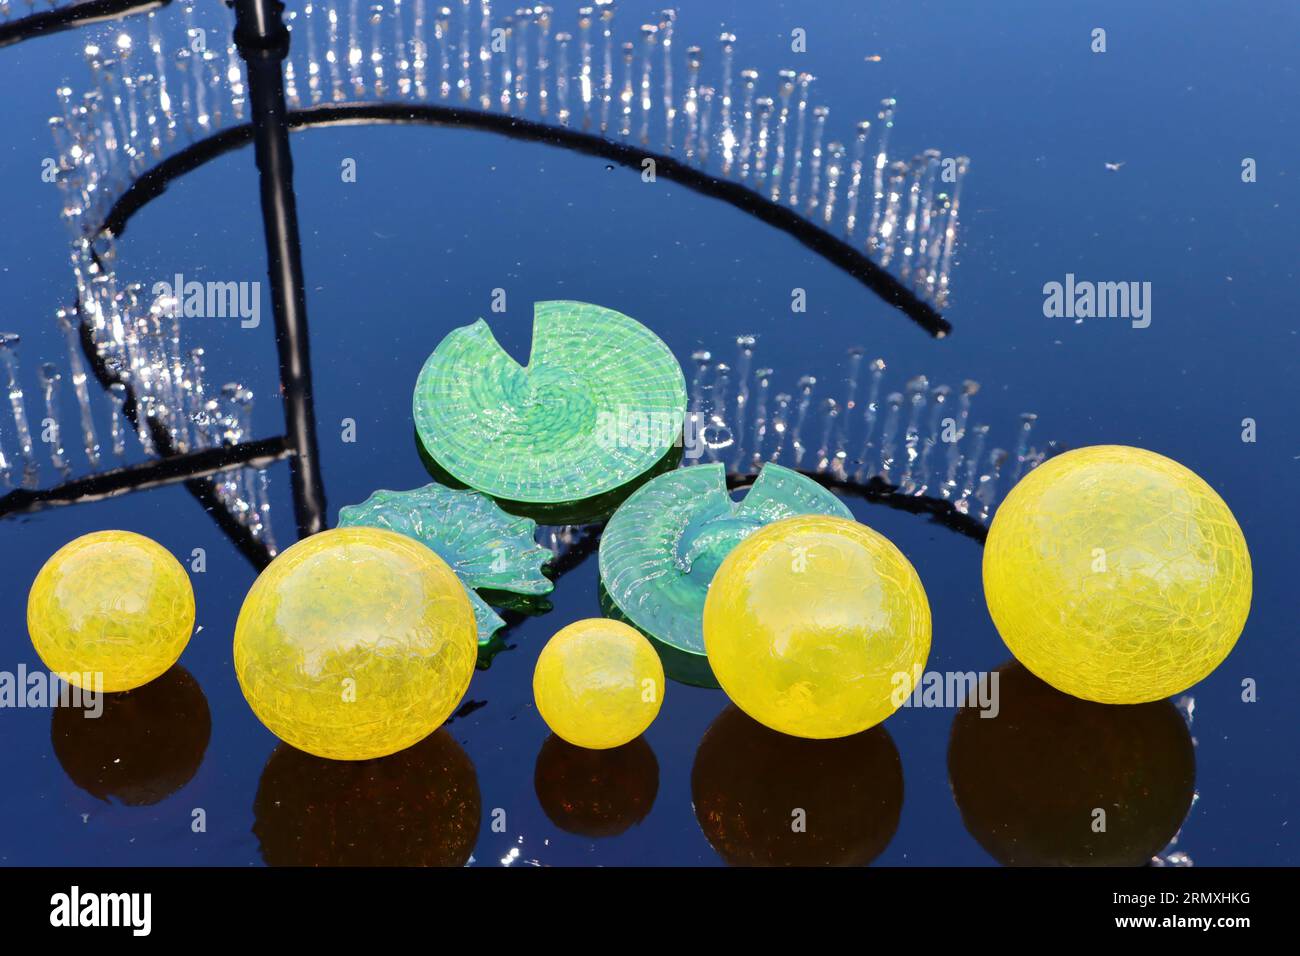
[
  {"x": 598, "y": 683},
  {"x": 355, "y": 643},
  {"x": 1117, "y": 575},
  {"x": 817, "y": 626},
  {"x": 112, "y": 606}
]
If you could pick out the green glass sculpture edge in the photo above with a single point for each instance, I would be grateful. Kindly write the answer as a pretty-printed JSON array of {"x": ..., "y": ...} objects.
[
  {"x": 660, "y": 549},
  {"x": 679, "y": 665},
  {"x": 603, "y": 395},
  {"x": 506, "y": 558},
  {"x": 595, "y": 510}
]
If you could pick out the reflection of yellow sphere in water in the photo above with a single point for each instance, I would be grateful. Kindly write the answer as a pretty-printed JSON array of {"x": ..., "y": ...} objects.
[
  {"x": 598, "y": 683},
  {"x": 355, "y": 643},
  {"x": 420, "y": 807},
  {"x": 815, "y": 626},
  {"x": 112, "y": 603},
  {"x": 748, "y": 782},
  {"x": 147, "y": 744},
  {"x": 1117, "y": 575},
  {"x": 1030, "y": 780},
  {"x": 596, "y": 793}
]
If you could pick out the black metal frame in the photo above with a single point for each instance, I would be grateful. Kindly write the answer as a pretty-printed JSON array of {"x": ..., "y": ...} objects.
[
  {"x": 263, "y": 43},
  {"x": 152, "y": 183},
  {"x": 68, "y": 16}
]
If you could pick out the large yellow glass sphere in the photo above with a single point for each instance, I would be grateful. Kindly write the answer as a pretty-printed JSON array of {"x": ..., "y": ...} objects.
[
  {"x": 816, "y": 626},
  {"x": 1117, "y": 575},
  {"x": 112, "y": 606},
  {"x": 598, "y": 683},
  {"x": 355, "y": 643}
]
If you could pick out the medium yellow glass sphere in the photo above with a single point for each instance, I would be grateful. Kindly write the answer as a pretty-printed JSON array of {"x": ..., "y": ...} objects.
[
  {"x": 1117, "y": 575},
  {"x": 598, "y": 683},
  {"x": 355, "y": 643},
  {"x": 112, "y": 606},
  {"x": 817, "y": 626}
]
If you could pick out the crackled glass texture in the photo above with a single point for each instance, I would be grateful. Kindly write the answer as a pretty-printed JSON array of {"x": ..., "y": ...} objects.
[
  {"x": 1117, "y": 575},
  {"x": 598, "y": 683},
  {"x": 816, "y": 625},
  {"x": 663, "y": 545},
  {"x": 484, "y": 545},
  {"x": 355, "y": 643},
  {"x": 111, "y": 603}
]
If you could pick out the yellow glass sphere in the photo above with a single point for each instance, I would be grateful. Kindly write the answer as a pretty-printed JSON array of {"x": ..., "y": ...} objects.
[
  {"x": 112, "y": 606},
  {"x": 598, "y": 683},
  {"x": 1117, "y": 575},
  {"x": 355, "y": 643},
  {"x": 816, "y": 626}
]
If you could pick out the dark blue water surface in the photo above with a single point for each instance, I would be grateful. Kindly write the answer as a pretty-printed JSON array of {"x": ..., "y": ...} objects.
[{"x": 437, "y": 219}]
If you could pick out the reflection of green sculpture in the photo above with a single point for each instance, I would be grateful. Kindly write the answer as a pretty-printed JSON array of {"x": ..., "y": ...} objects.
[
  {"x": 487, "y": 548},
  {"x": 660, "y": 550},
  {"x": 600, "y": 402}
]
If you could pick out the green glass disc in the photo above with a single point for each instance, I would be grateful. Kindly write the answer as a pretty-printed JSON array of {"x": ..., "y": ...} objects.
[
  {"x": 485, "y": 546},
  {"x": 600, "y": 402},
  {"x": 661, "y": 548}
]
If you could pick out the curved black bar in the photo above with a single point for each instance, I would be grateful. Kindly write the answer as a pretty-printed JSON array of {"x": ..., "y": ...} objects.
[
  {"x": 70, "y": 15},
  {"x": 834, "y": 250},
  {"x": 150, "y": 474},
  {"x": 879, "y": 491},
  {"x": 263, "y": 43}
]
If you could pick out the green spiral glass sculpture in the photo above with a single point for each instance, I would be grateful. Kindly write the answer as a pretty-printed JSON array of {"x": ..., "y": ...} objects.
[
  {"x": 600, "y": 402},
  {"x": 662, "y": 546},
  {"x": 487, "y": 548}
]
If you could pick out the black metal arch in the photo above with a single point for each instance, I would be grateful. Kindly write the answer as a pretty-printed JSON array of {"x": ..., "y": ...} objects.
[
  {"x": 152, "y": 183},
  {"x": 67, "y": 16}
]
